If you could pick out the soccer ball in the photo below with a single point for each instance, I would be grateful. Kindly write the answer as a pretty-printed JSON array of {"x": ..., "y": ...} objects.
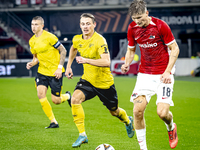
[{"x": 104, "y": 147}]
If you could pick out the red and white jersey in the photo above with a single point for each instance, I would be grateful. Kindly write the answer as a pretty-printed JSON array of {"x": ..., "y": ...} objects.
[{"x": 152, "y": 40}]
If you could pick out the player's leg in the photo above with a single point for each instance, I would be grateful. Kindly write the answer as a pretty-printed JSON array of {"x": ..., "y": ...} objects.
[
  {"x": 79, "y": 116},
  {"x": 41, "y": 90},
  {"x": 42, "y": 84},
  {"x": 62, "y": 98},
  {"x": 77, "y": 110},
  {"x": 56, "y": 89},
  {"x": 139, "y": 122},
  {"x": 145, "y": 88},
  {"x": 164, "y": 113},
  {"x": 121, "y": 114},
  {"x": 79, "y": 96},
  {"x": 127, "y": 120},
  {"x": 110, "y": 100},
  {"x": 164, "y": 101}
]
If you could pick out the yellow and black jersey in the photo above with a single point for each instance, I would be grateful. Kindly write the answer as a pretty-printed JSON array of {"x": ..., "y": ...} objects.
[
  {"x": 99, "y": 77},
  {"x": 45, "y": 46}
]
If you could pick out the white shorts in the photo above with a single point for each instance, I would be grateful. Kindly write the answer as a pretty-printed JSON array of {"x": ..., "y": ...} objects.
[{"x": 150, "y": 85}]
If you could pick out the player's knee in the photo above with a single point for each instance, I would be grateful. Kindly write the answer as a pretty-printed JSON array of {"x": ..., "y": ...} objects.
[
  {"x": 138, "y": 113},
  {"x": 162, "y": 113},
  {"x": 56, "y": 100},
  {"x": 78, "y": 97},
  {"x": 163, "y": 110},
  {"x": 41, "y": 94},
  {"x": 114, "y": 113},
  {"x": 75, "y": 100}
]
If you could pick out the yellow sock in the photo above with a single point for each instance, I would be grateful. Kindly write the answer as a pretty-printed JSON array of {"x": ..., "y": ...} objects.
[
  {"x": 123, "y": 116},
  {"x": 64, "y": 97},
  {"x": 79, "y": 116},
  {"x": 47, "y": 108}
]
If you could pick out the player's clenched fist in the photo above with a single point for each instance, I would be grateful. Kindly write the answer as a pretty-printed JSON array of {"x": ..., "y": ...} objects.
[
  {"x": 125, "y": 68},
  {"x": 29, "y": 65}
]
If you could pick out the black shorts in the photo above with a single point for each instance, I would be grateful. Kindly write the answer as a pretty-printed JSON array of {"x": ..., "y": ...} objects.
[
  {"x": 107, "y": 96},
  {"x": 54, "y": 83}
]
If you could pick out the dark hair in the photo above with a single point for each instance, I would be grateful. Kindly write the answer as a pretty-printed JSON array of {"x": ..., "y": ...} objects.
[
  {"x": 137, "y": 7},
  {"x": 88, "y": 15},
  {"x": 38, "y": 18}
]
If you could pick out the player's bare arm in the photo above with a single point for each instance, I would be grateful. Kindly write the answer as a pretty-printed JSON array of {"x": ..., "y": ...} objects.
[
  {"x": 104, "y": 61},
  {"x": 165, "y": 77},
  {"x": 128, "y": 59},
  {"x": 33, "y": 62},
  {"x": 63, "y": 52},
  {"x": 72, "y": 55}
]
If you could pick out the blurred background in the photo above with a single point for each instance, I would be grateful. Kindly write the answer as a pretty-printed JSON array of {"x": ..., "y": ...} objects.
[{"x": 62, "y": 19}]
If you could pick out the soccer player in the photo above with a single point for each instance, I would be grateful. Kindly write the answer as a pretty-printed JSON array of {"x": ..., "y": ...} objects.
[
  {"x": 50, "y": 54},
  {"x": 96, "y": 79},
  {"x": 159, "y": 52}
]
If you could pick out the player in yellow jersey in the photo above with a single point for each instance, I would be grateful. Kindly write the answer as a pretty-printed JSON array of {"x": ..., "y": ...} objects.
[
  {"x": 96, "y": 79},
  {"x": 50, "y": 54}
]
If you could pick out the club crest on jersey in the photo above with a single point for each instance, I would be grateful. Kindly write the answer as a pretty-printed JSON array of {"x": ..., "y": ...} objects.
[
  {"x": 80, "y": 45},
  {"x": 152, "y": 37}
]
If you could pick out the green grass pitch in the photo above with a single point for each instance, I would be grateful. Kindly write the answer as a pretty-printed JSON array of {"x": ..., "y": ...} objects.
[{"x": 23, "y": 122}]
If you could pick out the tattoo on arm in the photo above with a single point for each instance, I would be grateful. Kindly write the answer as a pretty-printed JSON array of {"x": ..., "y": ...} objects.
[{"x": 63, "y": 53}]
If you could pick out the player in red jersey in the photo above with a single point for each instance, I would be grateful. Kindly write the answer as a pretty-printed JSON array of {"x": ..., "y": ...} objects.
[{"x": 159, "y": 52}]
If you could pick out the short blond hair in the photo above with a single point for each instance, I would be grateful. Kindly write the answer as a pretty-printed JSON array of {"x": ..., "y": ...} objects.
[
  {"x": 39, "y": 18},
  {"x": 88, "y": 15}
]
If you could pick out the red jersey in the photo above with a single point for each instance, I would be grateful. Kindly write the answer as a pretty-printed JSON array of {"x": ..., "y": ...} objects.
[{"x": 152, "y": 40}]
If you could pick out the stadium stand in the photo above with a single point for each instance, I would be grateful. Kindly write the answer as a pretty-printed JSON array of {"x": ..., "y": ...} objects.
[{"x": 183, "y": 16}]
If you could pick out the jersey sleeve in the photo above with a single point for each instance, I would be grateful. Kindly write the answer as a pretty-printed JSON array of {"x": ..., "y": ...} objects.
[
  {"x": 166, "y": 33},
  {"x": 74, "y": 41},
  {"x": 31, "y": 47},
  {"x": 103, "y": 46},
  {"x": 130, "y": 38},
  {"x": 54, "y": 41}
]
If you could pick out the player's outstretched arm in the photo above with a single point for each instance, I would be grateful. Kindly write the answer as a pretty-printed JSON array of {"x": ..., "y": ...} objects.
[{"x": 34, "y": 62}]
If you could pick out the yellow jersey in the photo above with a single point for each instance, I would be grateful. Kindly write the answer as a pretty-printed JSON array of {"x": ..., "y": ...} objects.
[
  {"x": 45, "y": 46},
  {"x": 99, "y": 77}
]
